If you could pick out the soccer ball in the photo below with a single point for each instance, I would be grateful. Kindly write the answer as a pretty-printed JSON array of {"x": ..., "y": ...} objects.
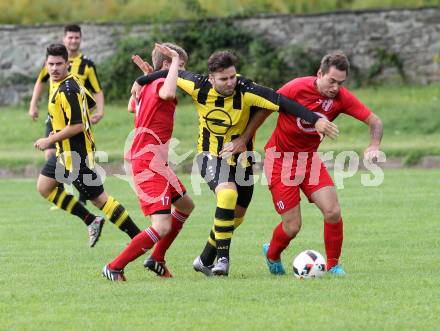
[{"x": 309, "y": 264}]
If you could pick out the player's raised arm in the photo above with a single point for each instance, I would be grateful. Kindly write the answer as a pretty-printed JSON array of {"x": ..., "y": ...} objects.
[{"x": 168, "y": 89}]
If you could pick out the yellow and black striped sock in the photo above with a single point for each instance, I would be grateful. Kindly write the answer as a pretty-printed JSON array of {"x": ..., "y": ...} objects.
[
  {"x": 118, "y": 215},
  {"x": 224, "y": 221},
  {"x": 68, "y": 202},
  {"x": 210, "y": 251}
]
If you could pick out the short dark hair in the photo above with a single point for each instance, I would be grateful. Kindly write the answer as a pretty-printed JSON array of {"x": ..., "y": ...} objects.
[
  {"x": 72, "y": 28},
  {"x": 57, "y": 50},
  {"x": 335, "y": 59},
  {"x": 221, "y": 60}
]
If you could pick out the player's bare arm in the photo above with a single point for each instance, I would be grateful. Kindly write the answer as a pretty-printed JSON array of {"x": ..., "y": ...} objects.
[
  {"x": 67, "y": 132},
  {"x": 376, "y": 132},
  {"x": 129, "y": 106},
  {"x": 143, "y": 65},
  {"x": 168, "y": 89},
  {"x": 146, "y": 69},
  {"x": 33, "y": 107},
  {"x": 98, "y": 112},
  {"x": 327, "y": 128}
]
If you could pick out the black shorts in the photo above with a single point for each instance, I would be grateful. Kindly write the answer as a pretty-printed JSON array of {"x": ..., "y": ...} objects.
[
  {"x": 215, "y": 170},
  {"x": 86, "y": 181},
  {"x": 49, "y": 129}
]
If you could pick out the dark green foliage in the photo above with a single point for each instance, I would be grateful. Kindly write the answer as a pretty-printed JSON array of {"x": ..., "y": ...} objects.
[
  {"x": 118, "y": 72},
  {"x": 258, "y": 58}
]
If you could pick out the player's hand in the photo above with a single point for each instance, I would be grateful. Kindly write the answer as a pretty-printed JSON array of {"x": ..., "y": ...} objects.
[
  {"x": 33, "y": 112},
  {"x": 371, "y": 153},
  {"x": 166, "y": 50},
  {"x": 236, "y": 146},
  {"x": 96, "y": 117},
  {"x": 42, "y": 143},
  {"x": 136, "y": 90},
  {"x": 325, "y": 127},
  {"x": 143, "y": 65}
]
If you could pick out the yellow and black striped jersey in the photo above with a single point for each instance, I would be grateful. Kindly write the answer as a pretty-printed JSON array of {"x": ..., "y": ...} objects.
[
  {"x": 83, "y": 68},
  {"x": 70, "y": 103},
  {"x": 224, "y": 118}
]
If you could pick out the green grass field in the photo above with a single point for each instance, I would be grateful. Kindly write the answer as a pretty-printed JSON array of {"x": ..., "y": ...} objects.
[
  {"x": 50, "y": 279},
  {"x": 409, "y": 113}
]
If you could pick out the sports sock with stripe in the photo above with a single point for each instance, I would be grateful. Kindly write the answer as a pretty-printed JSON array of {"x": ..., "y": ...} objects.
[
  {"x": 178, "y": 219},
  {"x": 141, "y": 243},
  {"x": 68, "y": 202},
  {"x": 118, "y": 215}
]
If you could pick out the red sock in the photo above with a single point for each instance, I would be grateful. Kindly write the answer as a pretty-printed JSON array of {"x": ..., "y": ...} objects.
[
  {"x": 142, "y": 242},
  {"x": 333, "y": 237},
  {"x": 178, "y": 218},
  {"x": 280, "y": 240}
]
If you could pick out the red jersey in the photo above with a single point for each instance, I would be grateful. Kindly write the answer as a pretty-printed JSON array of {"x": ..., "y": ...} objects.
[
  {"x": 153, "y": 122},
  {"x": 293, "y": 134}
]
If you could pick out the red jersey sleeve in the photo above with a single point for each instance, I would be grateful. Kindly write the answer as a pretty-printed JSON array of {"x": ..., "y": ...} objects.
[{"x": 353, "y": 107}]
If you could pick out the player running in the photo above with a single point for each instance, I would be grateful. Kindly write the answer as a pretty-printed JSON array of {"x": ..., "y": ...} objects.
[{"x": 74, "y": 163}]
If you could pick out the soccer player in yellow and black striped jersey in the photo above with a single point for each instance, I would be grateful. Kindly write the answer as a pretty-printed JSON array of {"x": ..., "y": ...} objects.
[
  {"x": 225, "y": 102},
  {"x": 69, "y": 106},
  {"x": 82, "y": 67}
]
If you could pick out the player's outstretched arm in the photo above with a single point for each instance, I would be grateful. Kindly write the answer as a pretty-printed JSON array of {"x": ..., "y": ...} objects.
[
  {"x": 323, "y": 126},
  {"x": 187, "y": 81},
  {"x": 144, "y": 80}
]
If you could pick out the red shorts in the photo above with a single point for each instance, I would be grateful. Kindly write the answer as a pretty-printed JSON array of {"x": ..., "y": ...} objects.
[
  {"x": 156, "y": 190},
  {"x": 289, "y": 173}
]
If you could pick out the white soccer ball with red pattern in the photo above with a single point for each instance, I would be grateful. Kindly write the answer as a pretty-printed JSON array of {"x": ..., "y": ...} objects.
[{"x": 309, "y": 264}]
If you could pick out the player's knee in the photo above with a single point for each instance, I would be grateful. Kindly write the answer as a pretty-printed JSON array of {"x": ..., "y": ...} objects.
[
  {"x": 227, "y": 198},
  {"x": 332, "y": 214},
  {"x": 44, "y": 192},
  {"x": 162, "y": 228},
  {"x": 185, "y": 205},
  {"x": 189, "y": 206},
  {"x": 292, "y": 226}
]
